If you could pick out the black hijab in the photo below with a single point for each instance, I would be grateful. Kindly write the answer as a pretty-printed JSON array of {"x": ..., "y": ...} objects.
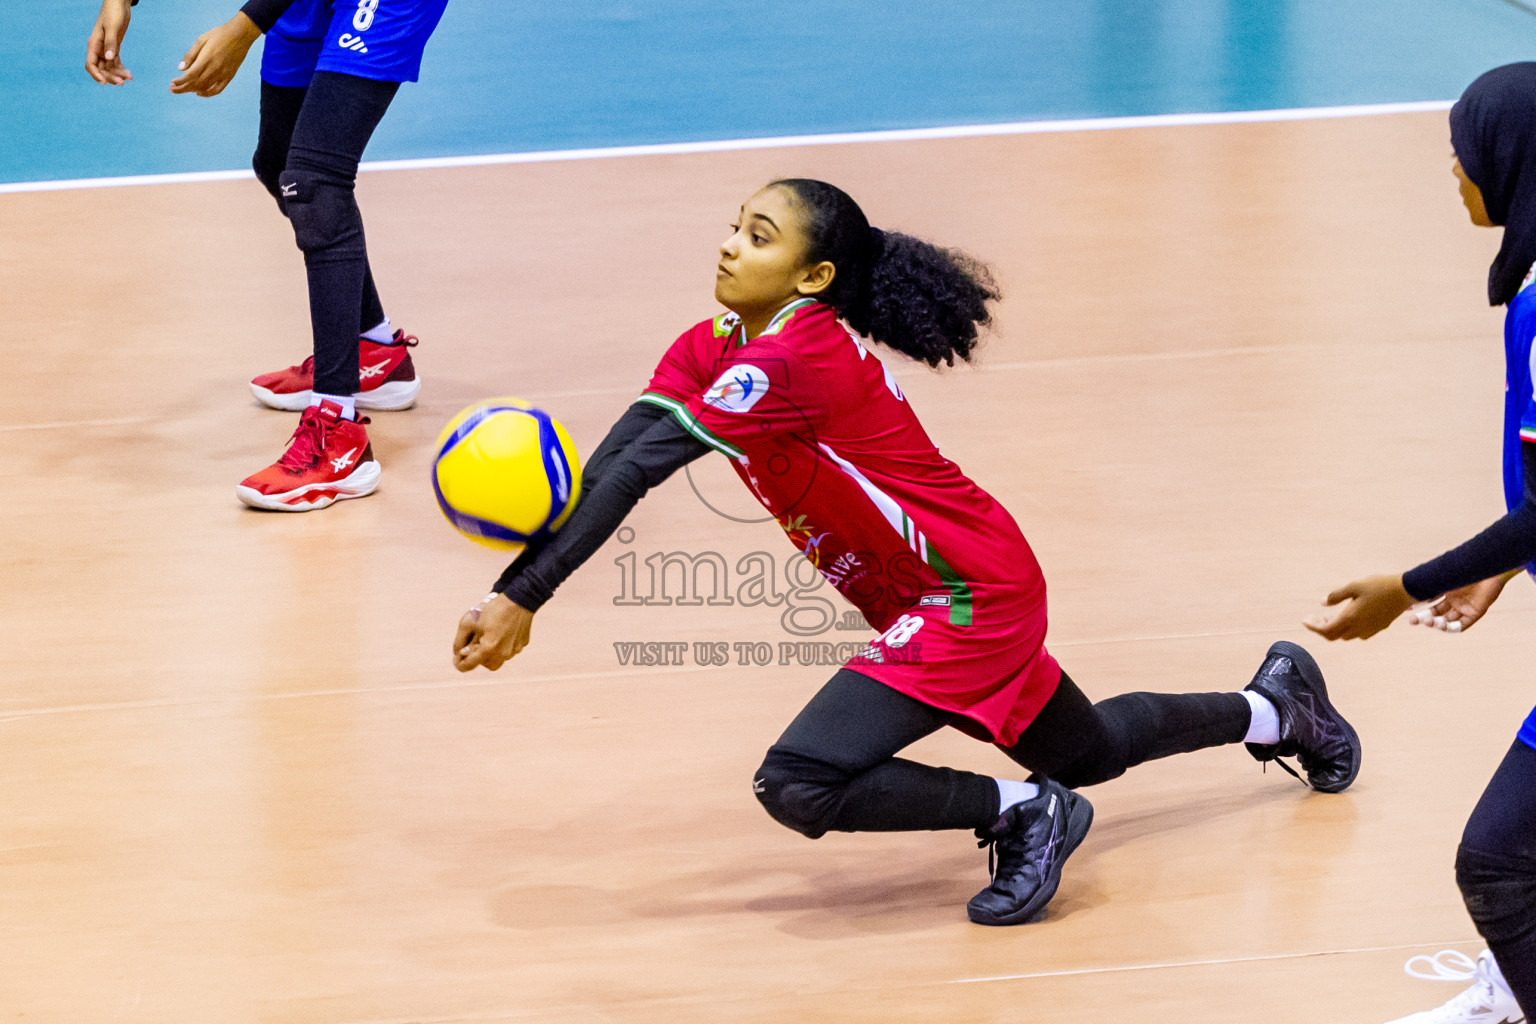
[{"x": 1493, "y": 130}]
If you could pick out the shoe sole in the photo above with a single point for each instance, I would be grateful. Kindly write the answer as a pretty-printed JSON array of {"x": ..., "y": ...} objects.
[
  {"x": 1307, "y": 665},
  {"x": 391, "y": 397},
  {"x": 1079, "y": 821},
  {"x": 360, "y": 483}
]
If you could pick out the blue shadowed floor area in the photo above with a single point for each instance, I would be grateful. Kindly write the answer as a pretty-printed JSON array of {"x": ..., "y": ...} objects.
[{"x": 514, "y": 77}]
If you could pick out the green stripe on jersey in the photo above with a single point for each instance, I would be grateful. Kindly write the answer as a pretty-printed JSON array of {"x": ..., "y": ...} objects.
[
  {"x": 959, "y": 590},
  {"x": 690, "y": 424}
]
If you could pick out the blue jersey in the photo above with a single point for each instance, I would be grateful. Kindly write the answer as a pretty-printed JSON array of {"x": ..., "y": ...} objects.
[
  {"x": 1519, "y": 417},
  {"x": 378, "y": 39}
]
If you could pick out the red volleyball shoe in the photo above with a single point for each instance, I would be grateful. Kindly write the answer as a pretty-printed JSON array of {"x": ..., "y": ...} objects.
[
  {"x": 386, "y": 373},
  {"x": 327, "y": 459}
]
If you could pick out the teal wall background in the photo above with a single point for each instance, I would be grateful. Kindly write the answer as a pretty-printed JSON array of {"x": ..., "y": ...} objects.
[{"x": 515, "y": 75}]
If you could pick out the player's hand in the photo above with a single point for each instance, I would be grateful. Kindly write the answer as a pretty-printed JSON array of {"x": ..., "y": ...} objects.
[
  {"x": 491, "y": 634},
  {"x": 104, "y": 50},
  {"x": 218, "y": 53},
  {"x": 1372, "y": 604},
  {"x": 1457, "y": 611}
]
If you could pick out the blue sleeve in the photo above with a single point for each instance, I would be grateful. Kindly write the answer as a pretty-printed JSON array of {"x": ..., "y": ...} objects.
[{"x": 1519, "y": 396}]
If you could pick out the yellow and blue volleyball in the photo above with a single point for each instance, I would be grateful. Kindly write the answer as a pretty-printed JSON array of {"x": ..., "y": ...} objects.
[{"x": 505, "y": 472}]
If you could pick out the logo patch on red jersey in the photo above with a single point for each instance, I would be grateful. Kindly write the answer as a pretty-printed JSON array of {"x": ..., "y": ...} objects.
[
  {"x": 725, "y": 323},
  {"x": 737, "y": 389}
]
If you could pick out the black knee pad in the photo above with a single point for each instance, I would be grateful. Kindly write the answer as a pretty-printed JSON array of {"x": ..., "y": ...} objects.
[
  {"x": 323, "y": 212},
  {"x": 268, "y": 168},
  {"x": 799, "y": 792},
  {"x": 1500, "y": 893}
]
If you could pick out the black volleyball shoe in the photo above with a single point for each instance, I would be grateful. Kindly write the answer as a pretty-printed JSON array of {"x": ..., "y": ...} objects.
[
  {"x": 1030, "y": 843},
  {"x": 1311, "y": 728}
]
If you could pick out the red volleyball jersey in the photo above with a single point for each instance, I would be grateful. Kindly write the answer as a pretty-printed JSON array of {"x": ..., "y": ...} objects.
[{"x": 819, "y": 430}]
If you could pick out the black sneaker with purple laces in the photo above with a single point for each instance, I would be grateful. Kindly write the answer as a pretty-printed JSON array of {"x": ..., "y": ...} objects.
[
  {"x": 1030, "y": 843},
  {"x": 1311, "y": 728}
]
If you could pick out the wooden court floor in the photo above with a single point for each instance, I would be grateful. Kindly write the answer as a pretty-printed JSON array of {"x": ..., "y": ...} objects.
[{"x": 240, "y": 782}]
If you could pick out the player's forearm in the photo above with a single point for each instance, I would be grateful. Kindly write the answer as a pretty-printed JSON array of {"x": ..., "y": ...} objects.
[
  {"x": 598, "y": 515},
  {"x": 637, "y": 419},
  {"x": 644, "y": 448},
  {"x": 1501, "y": 549}
]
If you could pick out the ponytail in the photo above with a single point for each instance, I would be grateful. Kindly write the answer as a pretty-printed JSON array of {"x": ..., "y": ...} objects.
[{"x": 907, "y": 294}]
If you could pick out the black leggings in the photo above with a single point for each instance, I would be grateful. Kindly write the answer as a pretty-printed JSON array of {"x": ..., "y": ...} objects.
[
  {"x": 835, "y": 768},
  {"x": 1496, "y": 870},
  {"x": 307, "y": 152}
]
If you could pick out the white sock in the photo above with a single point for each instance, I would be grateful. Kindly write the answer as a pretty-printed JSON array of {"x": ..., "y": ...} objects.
[
  {"x": 347, "y": 402},
  {"x": 381, "y": 334},
  {"x": 1010, "y": 792},
  {"x": 1264, "y": 726}
]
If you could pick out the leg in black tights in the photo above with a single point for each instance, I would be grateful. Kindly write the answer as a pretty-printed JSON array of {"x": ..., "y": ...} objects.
[
  {"x": 835, "y": 768},
  {"x": 1496, "y": 870},
  {"x": 1079, "y": 743},
  {"x": 281, "y": 109}
]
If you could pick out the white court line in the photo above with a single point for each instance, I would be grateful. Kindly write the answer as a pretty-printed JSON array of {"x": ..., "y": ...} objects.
[
  {"x": 479, "y": 682},
  {"x": 967, "y": 131},
  {"x": 1152, "y": 638},
  {"x": 1214, "y": 963},
  {"x": 917, "y": 369},
  {"x": 487, "y": 681},
  {"x": 982, "y": 367},
  {"x": 122, "y": 421},
  {"x": 1152, "y": 357}
]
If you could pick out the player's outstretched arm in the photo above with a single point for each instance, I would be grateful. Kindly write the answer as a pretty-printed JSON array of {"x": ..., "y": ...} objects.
[
  {"x": 210, "y": 65},
  {"x": 1473, "y": 573},
  {"x": 644, "y": 448},
  {"x": 104, "y": 50}
]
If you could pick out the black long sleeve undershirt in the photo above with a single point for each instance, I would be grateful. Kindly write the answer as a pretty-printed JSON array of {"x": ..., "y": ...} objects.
[
  {"x": 645, "y": 446},
  {"x": 1507, "y": 544},
  {"x": 263, "y": 13}
]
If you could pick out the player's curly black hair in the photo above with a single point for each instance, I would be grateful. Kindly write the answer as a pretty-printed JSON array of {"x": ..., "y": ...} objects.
[{"x": 910, "y": 295}]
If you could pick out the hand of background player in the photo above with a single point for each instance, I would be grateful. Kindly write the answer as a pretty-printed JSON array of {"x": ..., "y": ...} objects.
[
  {"x": 1458, "y": 610},
  {"x": 491, "y": 634},
  {"x": 1373, "y": 603},
  {"x": 104, "y": 50},
  {"x": 218, "y": 53}
]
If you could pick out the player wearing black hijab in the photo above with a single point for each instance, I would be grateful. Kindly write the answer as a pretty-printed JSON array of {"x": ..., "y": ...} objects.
[{"x": 1493, "y": 134}]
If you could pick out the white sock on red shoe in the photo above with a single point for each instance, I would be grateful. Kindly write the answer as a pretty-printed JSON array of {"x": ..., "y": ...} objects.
[
  {"x": 347, "y": 402},
  {"x": 383, "y": 334}
]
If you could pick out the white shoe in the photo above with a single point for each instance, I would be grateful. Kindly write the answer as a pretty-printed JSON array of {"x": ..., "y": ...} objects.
[{"x": 1488, "y": 1001}]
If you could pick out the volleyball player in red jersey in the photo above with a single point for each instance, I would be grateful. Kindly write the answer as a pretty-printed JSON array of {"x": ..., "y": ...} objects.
[{"x": 820, "y": 432}]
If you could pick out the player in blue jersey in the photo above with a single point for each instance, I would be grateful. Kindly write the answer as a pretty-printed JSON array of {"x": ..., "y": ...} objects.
[
  {"x": 1493, "y": 133},
  {"x": 328, "y": 73}
]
